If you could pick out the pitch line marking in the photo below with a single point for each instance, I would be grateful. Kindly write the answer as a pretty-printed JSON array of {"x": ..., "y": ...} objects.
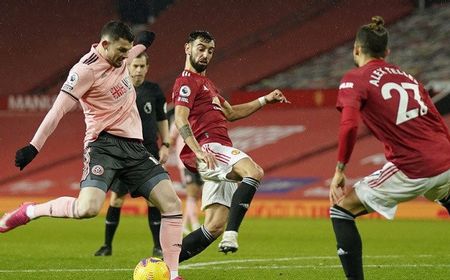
[{"x": 207, "y": 265}]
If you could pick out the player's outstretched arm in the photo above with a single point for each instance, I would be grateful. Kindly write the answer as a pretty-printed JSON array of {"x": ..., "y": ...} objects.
[
  {"x": 141, "y": 43},
  {"x": 236, "y": 112},
  {"x": 63, "y": 104}
]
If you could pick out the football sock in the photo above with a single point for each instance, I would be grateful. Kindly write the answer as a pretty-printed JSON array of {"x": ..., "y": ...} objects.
[
  {"x": 195, "y": 242},
  {"x": 446, "y": 203},
  {"x": 191, "y": 212},
  {"x": 349, "y": 245},
  {"x": 62, "y": 207},
  {"x": 154, "y": 222},
  {"x": 171, "y": 237},
  {"x": 240, "y": 202},
  {"x": 111, "y": 224}
]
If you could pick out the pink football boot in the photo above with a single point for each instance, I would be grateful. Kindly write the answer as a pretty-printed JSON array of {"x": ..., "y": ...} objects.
[{"x": 15, "y": 218}]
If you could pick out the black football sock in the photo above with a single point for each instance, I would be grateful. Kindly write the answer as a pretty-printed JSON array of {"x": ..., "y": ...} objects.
[
  {"x": 111, "y": 224},
  {"x": 240, "y": 202},
  {"x": 154, "y": 222},
  {"x": 445, "y": 202},
  {"x": 349, "y": 245},
  {"x": 195, "y": 242}
]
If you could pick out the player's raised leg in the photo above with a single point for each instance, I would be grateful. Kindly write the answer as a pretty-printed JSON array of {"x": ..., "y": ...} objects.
[{"x": 87, "y": 205}]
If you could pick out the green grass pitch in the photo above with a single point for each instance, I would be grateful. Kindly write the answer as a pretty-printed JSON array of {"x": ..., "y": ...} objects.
[{"x": 269, "y": 249}]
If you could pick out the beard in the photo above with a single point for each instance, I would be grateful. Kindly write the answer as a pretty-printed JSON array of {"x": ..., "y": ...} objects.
[
  {"x": 198, "y": 67},
  {"x": 355, "y": 63}
]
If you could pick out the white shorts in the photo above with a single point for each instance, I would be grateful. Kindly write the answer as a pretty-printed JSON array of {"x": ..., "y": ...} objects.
[
  {"x": 226, "y": 158},
  {"x": 215, "y": 192},
  {"x": 217, "y": 187},
  {"x": 384, "y": 189}
]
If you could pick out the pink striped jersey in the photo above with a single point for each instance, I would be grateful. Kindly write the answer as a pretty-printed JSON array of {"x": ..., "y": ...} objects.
[{"x": 106, "y": 95}]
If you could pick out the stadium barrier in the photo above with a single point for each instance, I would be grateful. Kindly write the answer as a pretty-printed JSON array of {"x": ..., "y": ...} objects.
[{"x": 271, "y": 208}]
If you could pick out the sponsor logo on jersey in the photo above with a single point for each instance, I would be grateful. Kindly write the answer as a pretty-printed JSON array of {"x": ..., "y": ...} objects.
[
  {"x": 346, "y": 85},
  {"x": 185, "y": 91},
  {"x": 97, "y": 170},
  {"x": 148, "y": 108}
]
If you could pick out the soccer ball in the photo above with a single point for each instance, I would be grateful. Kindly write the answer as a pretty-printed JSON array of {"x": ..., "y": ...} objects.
[{"x": 151, "y": 269}]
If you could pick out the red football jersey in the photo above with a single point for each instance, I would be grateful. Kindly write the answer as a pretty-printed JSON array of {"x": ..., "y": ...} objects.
[
  {"x": 399, "y": 112},
  {"x": 206, "y": 118}
]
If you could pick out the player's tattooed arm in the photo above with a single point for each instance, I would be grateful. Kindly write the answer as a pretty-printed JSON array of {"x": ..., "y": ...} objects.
[{"x": 185, "y": 131}]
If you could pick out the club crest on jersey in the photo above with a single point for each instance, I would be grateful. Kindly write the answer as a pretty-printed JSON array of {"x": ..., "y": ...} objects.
[
  {"x": 235, "y": 152},
  {"x": 148, "y": 108},
  {"x": 97, "y": 170}
]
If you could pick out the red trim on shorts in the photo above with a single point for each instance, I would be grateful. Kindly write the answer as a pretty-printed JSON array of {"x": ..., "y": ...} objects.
[
  {"x": 220, "y": 157},
  {"x": 385, "y": 174}
]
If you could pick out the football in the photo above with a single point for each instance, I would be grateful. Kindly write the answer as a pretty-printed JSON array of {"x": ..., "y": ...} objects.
[{"x": 151, "y": 269}]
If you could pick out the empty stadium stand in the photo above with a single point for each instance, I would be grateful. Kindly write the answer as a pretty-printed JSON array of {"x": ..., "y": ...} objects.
[
  {"x": 419, "y": 44},
  {"x": 42, "y": 39},
  {"x": 254, "y": 39}
]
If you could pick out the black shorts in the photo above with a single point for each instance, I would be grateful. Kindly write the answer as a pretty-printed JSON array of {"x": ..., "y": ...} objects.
[
  {"x": 112, "y": 160},
  {"x": 153, "y": 150},
  {"x": 192, "y": 177}
]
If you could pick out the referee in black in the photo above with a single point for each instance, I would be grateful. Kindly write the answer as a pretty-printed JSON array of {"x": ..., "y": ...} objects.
[{"x": 151, "y": 104}]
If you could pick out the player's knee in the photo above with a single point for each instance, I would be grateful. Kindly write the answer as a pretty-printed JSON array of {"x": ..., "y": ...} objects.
[
  {"x": 256, "y": 173},
  {"x": 216, "y": 228},
  {"x": 171, "y": 206},
  {"x": 116, "y": 202},
  {"x": 88, "y": 210}
]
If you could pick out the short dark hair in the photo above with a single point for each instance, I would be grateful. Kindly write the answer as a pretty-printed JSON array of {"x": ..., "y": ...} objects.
[
  {"x": 203, "y": 35},
  {"x": 144, "y": 54},
  {"x": 373, "y": 38},
  {"x": 116, "y": 30}
]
